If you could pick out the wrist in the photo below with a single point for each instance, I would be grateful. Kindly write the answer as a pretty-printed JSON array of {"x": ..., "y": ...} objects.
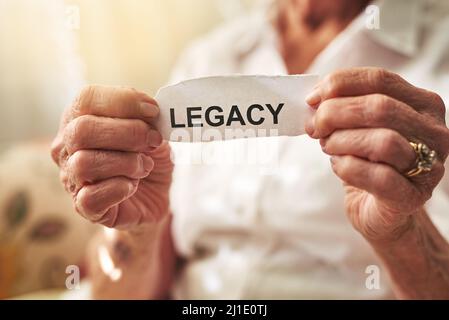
[
  {"x": 402, "y": 235},
  {"x": 139, "y": 241},
  {"x": 417, "y": 261},
  {"x": 148, "y": 230}
]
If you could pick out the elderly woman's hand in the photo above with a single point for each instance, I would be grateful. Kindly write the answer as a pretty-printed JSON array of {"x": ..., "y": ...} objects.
[
  {"x": 365, "y": 119},
  {"x": 112, "y": 161}
]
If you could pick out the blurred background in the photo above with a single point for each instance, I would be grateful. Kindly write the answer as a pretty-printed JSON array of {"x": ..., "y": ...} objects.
[{"x": 48, "y": 50}]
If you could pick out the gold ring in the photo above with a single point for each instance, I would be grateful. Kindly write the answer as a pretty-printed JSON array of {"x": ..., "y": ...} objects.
[{"x": 425, "y": 158}]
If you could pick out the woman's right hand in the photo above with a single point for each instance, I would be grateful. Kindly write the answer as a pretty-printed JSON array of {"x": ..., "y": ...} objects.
[{"x": 111, "y": 160}]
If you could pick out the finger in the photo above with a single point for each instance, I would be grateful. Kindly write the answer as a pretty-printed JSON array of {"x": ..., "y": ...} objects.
[
  {"x": 91, "y": 132},
  {"x": 91, "y": 166},
  {"x": 376, "y": 145},
  {"x": 381, "y": 180},
  {"x": 114, "y": 102},
  {"x": 368, "y": 80},
  {"x": 385, "y": 183},
  {"x": 378, "y": 111},
  {"x": 94, "y": 201}
]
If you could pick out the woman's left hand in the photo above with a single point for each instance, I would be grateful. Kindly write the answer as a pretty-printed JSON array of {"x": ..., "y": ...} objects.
[{"x": 365, "y": 119}]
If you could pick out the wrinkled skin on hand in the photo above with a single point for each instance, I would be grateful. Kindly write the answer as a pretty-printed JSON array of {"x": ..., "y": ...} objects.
[
  {"x": 365, "y": 118},
  {"x": 111, "y": 160}
]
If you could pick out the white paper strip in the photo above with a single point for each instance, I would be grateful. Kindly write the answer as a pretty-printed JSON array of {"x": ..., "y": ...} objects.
[{"x": 230, "y": 107}]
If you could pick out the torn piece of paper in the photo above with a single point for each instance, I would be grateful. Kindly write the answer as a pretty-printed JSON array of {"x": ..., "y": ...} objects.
[{"x": 233, "y": 107}]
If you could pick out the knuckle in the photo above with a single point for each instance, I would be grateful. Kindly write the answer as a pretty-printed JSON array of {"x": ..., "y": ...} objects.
[
  {"x": 438, "y": 103},
  {"x": 389, "y": 143},
  {"x": 83, "y": 123},
  {"x": 436, "y": 98},
  {"x": 333, "y": 84},
  {"x": 380, "y": 108},
  {"x": 77, "y": 132},
  {"x": 79, "y": 164}
]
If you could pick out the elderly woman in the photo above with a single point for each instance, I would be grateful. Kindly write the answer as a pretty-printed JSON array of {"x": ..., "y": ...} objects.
[{"x": 238, "y": 232}]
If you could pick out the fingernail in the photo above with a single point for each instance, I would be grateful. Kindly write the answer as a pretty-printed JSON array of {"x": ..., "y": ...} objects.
[
  {"x": 148, "y": 109},
  {"x": 148, "y": 163},
  {"x": 314, "y": 98},
  {"x": 154, "y": 138}
]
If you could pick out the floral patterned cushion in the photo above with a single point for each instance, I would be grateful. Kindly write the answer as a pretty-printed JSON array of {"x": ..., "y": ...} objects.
[{"x": 40, "y": 233}]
